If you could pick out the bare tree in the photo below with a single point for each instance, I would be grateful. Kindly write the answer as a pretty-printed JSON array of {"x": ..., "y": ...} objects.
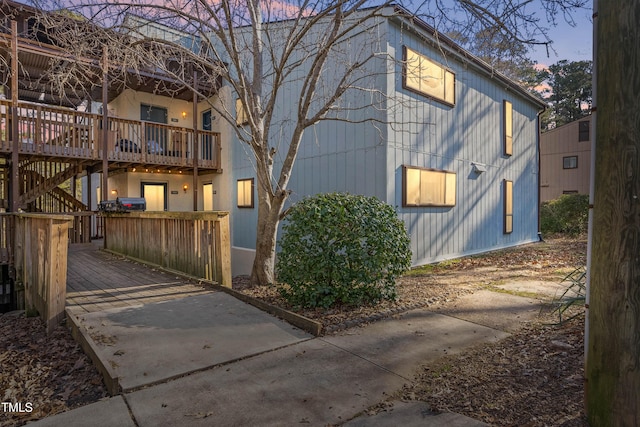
[{"x": 261, "y": 48}]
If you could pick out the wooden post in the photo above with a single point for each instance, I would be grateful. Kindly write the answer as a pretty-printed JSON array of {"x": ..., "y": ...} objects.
[
  {"x": 223, "y": 249},
  {"x": 15, "y": 129},
  {"x": 41, "y": 264},
  {"x": 613, "y": 349},
  {"x": 196, "y": 141},
  {"x": 105, "y": 125}
]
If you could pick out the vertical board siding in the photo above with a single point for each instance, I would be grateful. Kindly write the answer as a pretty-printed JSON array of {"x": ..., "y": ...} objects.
[
  {"x": 430, "y": 134},
  {"x": 364, "y": 158},
  {"x": 195, "y": 243}
]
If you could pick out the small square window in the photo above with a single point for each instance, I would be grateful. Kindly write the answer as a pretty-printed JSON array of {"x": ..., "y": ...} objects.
[
  {"x": 245, "y": 193},
  {"x": 570, "y": 162}
]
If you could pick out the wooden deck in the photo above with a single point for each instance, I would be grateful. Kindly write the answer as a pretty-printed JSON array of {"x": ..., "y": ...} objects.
[{"x": 98, "y": 280}]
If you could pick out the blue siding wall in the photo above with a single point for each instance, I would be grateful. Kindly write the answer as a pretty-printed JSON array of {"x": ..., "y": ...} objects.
[
  {"x": 367, "y": 158},
  {"x": 434, "y": 135},
  {"x": 346, "y": 155}
]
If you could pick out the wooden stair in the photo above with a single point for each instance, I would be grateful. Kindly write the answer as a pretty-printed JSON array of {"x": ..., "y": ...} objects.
[{"x": 38, "y": 184}]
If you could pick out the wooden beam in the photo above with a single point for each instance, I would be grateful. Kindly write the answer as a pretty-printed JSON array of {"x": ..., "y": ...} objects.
[
  {"x": 105, "y": 125},
  {"x": 15, "y": 158},
  {"x": 196, "y": 142}
]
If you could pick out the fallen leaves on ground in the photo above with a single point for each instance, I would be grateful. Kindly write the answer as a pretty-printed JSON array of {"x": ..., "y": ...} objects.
[
  {"x": 535, "y": 377},
  {"x": 440, "y": 284},
  {"x": 50, "y": 372},
  {"x": 538, "y": 367}
]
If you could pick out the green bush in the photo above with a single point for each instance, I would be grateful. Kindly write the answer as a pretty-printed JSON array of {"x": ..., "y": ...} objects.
[
  {"x": 568, "y": 214},
  {"x": 341, "y": 249}
]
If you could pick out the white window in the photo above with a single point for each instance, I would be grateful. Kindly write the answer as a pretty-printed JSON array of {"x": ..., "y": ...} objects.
[
  {"x": 428, "y": 187},
  {"x": 245, "y": 193}
]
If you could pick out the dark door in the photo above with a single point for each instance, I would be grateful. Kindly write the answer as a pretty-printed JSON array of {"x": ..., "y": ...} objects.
[
  {"x": 207, "y": 149},
  {"x": 155, "y": 137}
]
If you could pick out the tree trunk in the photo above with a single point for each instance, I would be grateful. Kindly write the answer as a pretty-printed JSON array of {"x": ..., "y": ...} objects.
[
  {"x": 269, "y": 208},
  {"x": 613, "y": 352}
]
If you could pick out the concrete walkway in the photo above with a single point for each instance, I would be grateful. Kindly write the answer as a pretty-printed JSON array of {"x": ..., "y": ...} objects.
[
  {"x": 208, "y": 359},
  {"x": 211, "y": 360}
]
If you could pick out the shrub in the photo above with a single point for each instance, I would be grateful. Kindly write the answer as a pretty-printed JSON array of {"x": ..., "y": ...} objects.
[
  {"x": 341, "y": 249},
  {"x": 568, "y": 214}
]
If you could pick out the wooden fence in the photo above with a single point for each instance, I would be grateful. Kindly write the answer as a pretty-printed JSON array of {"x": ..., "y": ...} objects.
[
  {"x": 195, "y": 243},
  {"x": 40, "y": 261},
  {"x": 6, "y": 238}
]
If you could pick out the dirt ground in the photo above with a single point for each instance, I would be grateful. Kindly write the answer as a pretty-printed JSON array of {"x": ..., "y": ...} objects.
[{"x": 532, "y": 378}]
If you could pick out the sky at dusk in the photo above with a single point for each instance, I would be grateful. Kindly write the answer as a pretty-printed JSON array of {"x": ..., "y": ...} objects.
[{"x": 571, "y": 43}]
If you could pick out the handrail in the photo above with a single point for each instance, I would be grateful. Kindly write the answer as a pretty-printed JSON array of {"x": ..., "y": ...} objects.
[
  {"x": 61, "y": 132},
  {"x": 195, "y": 243}
]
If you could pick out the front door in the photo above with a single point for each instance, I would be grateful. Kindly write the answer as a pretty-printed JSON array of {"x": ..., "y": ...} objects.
[
  {"x": 207, "y": 197},
  {"x": 155, "y": 194}
]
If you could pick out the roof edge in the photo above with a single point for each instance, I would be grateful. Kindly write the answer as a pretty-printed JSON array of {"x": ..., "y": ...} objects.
[{"x": 462, "y": 53}]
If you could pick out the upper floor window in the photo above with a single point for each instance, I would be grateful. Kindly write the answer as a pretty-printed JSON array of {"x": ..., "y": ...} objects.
[
  {"x": 428, "y": 78},
  {"x": 428, "y": 187},
  {"x": 583, "y": 131},
  {"x": 508, "y": 128},
  {"x": 241, "y": 113}
]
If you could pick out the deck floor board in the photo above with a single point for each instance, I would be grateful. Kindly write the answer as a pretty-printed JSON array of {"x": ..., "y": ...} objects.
[{"x": 98, "y": 280}]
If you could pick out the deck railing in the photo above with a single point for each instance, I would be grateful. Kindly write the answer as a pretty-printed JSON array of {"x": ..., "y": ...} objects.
[
  {"x": 54, "y": 131},
  {"x": 6, "y": 238},
  {"x": 195, "y": 243}
]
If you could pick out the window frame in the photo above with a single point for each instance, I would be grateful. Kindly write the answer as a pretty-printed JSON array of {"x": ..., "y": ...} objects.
[
  {"x": 564, "y": 162},
  {"x": 507, "y": 192},
  {"x": 446, "y": 200},
  {"x": 241, "y": 113},
  {"x": 584, "y": 133},
  {"x": 448, "y": 79},
  {"x": 507, "y": 129},
  {"x": 245, "y": 205}
]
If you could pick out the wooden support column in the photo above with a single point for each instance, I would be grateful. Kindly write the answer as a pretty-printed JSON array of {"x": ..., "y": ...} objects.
[
  {"x": 89, "y": 189},
  {"x": 105, "y": 125},
  {"x": 196, "y": 142},
  {"x": 14, "y": 192},
  {"x": 105, "y": 134}
]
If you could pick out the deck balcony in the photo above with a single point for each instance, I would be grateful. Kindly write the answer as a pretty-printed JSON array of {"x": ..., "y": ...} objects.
[{"x": 65, "y": 134}]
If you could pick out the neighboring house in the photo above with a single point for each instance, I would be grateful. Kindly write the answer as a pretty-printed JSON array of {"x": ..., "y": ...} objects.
[
  {"x": 565, "y": 160},
  {"x": 458, "y": 156},
  {"x": 455, "y": 147}
]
